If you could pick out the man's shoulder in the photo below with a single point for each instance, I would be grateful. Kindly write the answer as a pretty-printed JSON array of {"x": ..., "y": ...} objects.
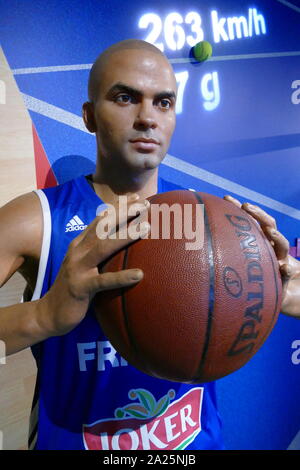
[
  {"x": 22, "y": 206},
  {"x": 21, "y": 223},
  {"x": 66, "y": 191}
]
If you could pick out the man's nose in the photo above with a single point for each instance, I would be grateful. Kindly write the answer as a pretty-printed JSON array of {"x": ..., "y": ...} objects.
[{"x": 145, "y": 117}]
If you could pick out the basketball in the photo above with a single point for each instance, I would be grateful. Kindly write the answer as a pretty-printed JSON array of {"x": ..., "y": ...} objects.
[{"x": 200, "y": 312}]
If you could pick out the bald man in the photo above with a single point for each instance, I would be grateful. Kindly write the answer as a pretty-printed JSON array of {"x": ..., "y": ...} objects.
[{"x": 87, "y": 396}]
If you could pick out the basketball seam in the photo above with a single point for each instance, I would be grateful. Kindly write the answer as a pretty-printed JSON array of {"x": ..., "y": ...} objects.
[
  {"x": 276, "y": 290},
  {"x": 126, "y": 320},
  {"x": 211, "y": 289}
]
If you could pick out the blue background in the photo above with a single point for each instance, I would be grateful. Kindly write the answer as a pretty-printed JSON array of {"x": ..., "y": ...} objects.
[{"x": 248, "y": 146}]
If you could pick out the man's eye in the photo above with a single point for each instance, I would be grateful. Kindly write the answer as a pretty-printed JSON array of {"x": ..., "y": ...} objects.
[
  {"x": 165, "y": 104},
  {"x": 123, "y": 98}
]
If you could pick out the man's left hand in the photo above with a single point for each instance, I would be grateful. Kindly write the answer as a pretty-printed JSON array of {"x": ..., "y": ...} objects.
[{"x": 289, "y": 267}]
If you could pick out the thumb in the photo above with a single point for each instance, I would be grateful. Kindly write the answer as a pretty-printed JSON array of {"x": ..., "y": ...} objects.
[{"x": 285, "y": 271}]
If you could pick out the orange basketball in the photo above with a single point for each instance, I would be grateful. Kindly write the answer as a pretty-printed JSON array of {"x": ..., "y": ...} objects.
[{"x": 198, "y": 314}]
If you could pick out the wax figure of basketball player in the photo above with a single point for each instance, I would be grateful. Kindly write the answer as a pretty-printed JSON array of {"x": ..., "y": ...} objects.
[{"x": 86, "y": 395}]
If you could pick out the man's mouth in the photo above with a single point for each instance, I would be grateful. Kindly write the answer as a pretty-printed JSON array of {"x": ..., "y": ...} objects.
[{"x": 144, "y": 144}]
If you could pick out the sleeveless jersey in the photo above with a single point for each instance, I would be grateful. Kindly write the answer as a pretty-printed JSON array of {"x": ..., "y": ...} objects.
[{"x": 87, "y": 396}]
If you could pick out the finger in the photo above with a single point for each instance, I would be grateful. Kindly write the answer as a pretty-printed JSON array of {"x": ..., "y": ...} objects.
[
  {"x": 264, "y": 219},
  {"x": 136, "y": 211},
  {"x": 115, "y": 217},
  {"x": 280, "y": 243},
  {"x": 115, "y": 280},
  {"x": 102, "y": 249},
  {"x": 117, "y": 213},
  {"x": 237, "y": 203},
  {"x": 128, "y": 229},
  {"x": 232, "y": 200},
  {"x": 285, "y": 271}
]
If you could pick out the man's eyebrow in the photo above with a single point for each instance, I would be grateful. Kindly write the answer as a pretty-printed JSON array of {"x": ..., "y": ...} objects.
[
  {"x": 122, "y": 87},
  {"x": 165, "y": 94}
]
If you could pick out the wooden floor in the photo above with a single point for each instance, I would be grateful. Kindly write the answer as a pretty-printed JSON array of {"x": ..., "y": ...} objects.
[
  {"x": 17, "y": 176},
  {"x": 17, "y": 379}
]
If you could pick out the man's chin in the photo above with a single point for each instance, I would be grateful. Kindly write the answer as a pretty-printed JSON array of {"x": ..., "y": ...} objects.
[{"x": 148, "y": 161}]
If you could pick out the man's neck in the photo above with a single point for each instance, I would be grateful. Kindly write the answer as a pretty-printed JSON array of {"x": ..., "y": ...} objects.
[{"x": 108, "y": 189}]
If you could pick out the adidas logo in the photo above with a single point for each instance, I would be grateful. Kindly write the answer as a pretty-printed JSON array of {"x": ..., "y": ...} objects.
[{"x": 75, "y": 224}]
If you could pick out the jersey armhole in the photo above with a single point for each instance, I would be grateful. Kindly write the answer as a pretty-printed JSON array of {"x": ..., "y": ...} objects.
[{"x": 47, "y": 227}]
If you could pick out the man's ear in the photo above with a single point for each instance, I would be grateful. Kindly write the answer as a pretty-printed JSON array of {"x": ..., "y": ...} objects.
[{"x": 88, "y": 116}]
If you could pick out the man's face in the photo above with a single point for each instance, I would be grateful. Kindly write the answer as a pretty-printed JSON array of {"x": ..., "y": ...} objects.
[{"x": 135, "y": 109}]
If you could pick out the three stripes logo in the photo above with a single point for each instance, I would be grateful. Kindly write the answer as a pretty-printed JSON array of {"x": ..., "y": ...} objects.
[{"x": 75, "y": 225}]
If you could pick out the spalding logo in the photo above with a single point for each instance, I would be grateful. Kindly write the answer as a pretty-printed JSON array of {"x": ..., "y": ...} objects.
[{"x": 232, "y": 282}]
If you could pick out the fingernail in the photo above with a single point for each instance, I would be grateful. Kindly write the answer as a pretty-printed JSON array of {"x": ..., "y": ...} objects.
[
  {"x": 104, "y": 213},
  {"x": 133, "y": 197},
  {"x": 145, "y": 227},
  {"x": 137, "y": 275}
]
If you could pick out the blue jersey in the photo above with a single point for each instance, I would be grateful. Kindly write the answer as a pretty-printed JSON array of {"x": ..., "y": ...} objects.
[{"x": 87, "y": 396}]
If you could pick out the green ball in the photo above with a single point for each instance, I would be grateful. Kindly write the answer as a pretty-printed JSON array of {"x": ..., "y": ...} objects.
[{"x": 202, "y": 51}]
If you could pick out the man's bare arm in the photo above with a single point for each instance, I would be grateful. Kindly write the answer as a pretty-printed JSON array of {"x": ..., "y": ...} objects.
[
  {"x": 20, "y": 245},
  {"x": 66, "y": 303}
]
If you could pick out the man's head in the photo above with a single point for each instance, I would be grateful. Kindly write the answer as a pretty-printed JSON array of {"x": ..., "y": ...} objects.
[{"x": 131, "y": 108}]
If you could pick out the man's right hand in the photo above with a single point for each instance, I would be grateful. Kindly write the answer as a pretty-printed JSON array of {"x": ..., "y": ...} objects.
[
  {"x": 78, "y": 280},
  {"x": 66, "y": 303}
]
